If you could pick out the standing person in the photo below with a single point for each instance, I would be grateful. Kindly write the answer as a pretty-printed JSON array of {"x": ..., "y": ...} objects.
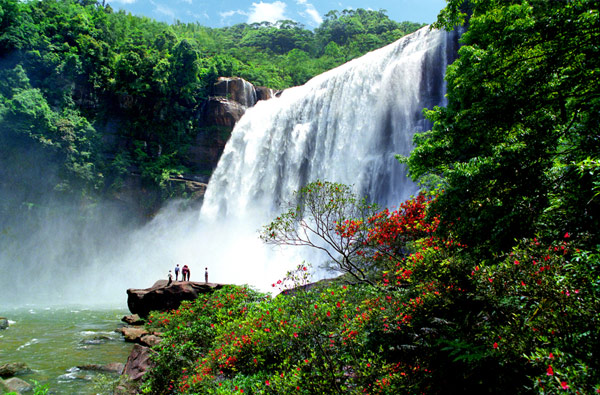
[
  {"x": 206, "y": 275},
  {"x": 170, "y": 278},
  {"x": 184, "y": 272},
  {"x": 176, "y": 271}
]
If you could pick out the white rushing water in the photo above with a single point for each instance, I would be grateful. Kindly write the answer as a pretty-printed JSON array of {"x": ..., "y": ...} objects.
[{"x": 344, "y": 126}]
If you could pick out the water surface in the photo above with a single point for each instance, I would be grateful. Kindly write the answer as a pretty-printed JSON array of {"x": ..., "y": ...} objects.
[{"x": 53, "y": 341}]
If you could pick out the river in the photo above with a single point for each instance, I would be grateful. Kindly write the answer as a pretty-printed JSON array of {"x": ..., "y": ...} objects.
[{"x": 53, "y": 341}]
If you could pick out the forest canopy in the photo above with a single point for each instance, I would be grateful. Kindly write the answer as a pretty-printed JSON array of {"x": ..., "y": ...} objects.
[{"x": 99, "y": 94}]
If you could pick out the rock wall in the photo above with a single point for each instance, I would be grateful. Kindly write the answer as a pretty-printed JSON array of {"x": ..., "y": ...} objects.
[
  {"x": 164, "y": 297},
  {"x": 229, "y": 99}
]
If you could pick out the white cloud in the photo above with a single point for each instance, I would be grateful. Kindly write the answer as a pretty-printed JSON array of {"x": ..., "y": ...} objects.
[
  {"x": 314, "y": 14},
  {"x": 187, "y": 1},
  {"x": 301, "y": 1},
  {"x": 125, "y": 1},
  {"x": 270, "y": 12},
  {"x": 163, "y": 10},
  {"x": 231, "y": 13},
  {"x": 194, "y": 15}
]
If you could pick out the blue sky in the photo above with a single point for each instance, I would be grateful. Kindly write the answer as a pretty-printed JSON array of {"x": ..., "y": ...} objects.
[{"x": 219, "y": 13}]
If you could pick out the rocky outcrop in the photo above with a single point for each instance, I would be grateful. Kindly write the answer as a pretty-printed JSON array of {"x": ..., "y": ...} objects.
[
  {"x": 150, "y": 340},
  {"x": 13, "y": 369},
  {"x": 241, "y": 91},
  {"x": 132, "y": 334},
  {"x": 231, "y": 97},
  {"x": 133, "y": 319},
  {"x": 221, "y": 111},
  {"x": 114, "y": 367},
  {"x": 137, "y": 364},
  {"x": 17, "y": 385},
  {"x": 3, "y": 323},
  {"x": 162, "y": 297}
]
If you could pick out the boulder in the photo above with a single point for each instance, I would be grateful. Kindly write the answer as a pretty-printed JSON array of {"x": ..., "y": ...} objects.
[
  {"x": 236, "y": 89},
  {"x": 264, "y": 93},
  {"x": 17, "y": 385},
  {"x": 3, "y": 323},
  {"x": 222, "y": 112},
  {"x": 162, "y": 297},
  {"x": 133, "y": 319},
  {"x": 138, "y": 362},
  {"x": 150, "y": 340},
  {"x": 3, "y": 387},
  {"x": 132, "y": 334},
  {"x": 13, "y": 369},
  {"x": 114, "y": 367}
]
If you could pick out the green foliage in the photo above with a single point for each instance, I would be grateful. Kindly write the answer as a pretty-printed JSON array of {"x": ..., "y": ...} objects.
[
  {"x": 324, "y": 208},
  {"x": 105, "y": 81},
  {"x": 429, "y": 313},
  {"x": 489, "y": 282},
  {"x": 521, "y": 119}
]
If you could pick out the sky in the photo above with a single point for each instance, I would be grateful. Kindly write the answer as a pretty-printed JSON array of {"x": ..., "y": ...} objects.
[{"x": 221, "y": 13}]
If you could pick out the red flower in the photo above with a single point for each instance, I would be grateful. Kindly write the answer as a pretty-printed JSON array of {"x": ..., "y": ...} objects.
[
  {"x": 328, "y": 314},
  {"x": 567, "y": 235},
  {"x": 267, "y": 382},
  {"x": 495, "y": 345},
  {"x": 549, "y": 371},
  {"x": 564, "y": 385}
]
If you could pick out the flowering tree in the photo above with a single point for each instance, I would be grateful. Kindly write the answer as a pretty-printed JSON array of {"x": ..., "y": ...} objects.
[{"x": 359, "y": 239}]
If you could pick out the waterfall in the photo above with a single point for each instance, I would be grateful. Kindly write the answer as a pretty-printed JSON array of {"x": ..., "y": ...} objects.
[{"x": 345, "y": 125}]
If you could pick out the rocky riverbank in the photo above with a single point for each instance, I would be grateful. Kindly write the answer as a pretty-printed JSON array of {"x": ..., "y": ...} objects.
[{"x": 159, "y": 297}]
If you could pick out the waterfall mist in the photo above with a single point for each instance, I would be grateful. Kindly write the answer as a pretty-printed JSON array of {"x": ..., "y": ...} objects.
[{"x": 344, "y": 126}]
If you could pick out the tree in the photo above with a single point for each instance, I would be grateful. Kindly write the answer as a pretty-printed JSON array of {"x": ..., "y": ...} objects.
[
  {"x": 360, "y": 239},
  {"x": 314, "y": 220},
  {"x": 522, "y": 118}
]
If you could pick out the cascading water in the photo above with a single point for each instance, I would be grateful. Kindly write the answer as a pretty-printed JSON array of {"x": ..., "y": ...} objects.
[{"x": 345, "y": 125}]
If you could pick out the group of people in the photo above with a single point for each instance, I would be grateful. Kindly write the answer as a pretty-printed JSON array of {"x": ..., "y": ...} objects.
[{"x": 185, "y": 274}]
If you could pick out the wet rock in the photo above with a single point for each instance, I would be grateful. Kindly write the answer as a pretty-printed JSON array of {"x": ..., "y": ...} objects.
[
  {"x": 17, "y": 385},
  {"x": 132, "y": 334},
  {"x": 3, "y": 387},
  {"x": 133, "y": 319},
  {"x": 222, "y": 112},
  {"x": 236, "y": 89},
  {"x": 150, "y": 340},
  {"x": 138, "y": 362},
  {"x": 13, "y": 369},
  {"x": 161, "y": 297},
  {"x": 114, "y": 367},
  {"x": 3, "y": 323}
]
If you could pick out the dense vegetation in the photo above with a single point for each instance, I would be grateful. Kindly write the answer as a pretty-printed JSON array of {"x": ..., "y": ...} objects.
[
  {"x": 487, "y": 282},
  {"x": 93, "y": 95}
]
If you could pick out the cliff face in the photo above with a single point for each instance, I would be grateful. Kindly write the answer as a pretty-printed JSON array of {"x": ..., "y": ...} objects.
[{"x": 229, "y": 99}]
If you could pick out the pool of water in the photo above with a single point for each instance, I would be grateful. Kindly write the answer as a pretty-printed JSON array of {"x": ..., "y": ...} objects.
[{"x": 53, "y": 341}]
